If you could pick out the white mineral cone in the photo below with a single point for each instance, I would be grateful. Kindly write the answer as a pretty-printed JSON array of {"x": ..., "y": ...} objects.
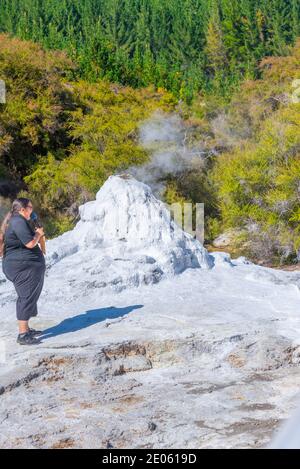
[{"x": 125, "y": 237}]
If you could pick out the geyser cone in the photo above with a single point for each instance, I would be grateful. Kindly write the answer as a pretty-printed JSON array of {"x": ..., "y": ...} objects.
[{"x": 125, "y": 237}]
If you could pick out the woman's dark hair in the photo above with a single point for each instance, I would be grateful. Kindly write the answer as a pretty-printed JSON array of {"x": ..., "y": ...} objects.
[{"x": 20, "y": 202}]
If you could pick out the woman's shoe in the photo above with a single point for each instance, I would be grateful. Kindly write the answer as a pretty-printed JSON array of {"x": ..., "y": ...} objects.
[
  {"x": 34, "y": 331},
  {"x": 27, "y": 339}
]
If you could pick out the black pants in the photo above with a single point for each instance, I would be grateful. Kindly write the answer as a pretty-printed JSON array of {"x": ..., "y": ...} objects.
[{"x": 28, "y": 279}]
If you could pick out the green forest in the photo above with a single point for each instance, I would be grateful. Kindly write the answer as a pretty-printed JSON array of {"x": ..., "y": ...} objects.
[
  {"x": 184, "y": 46},
  {"x": 82, "y": 76}
]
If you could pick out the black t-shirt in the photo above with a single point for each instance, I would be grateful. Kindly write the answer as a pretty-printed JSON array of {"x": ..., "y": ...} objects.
[{"x": 18, "y": 233}]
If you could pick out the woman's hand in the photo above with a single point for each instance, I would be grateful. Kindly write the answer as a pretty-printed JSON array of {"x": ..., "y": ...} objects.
[{"x": 40, "y": 231}]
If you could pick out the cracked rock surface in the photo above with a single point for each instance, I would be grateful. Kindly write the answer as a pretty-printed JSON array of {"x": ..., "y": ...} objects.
[
  {"x": 149, "y": 343},
  {"x": 192, "y": 362}
]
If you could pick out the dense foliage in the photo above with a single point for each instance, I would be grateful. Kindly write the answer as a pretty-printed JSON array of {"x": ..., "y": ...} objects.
[
  {"x": 61, "y": 137},
  {"x": 60, "y": 140},
  {"x": 181, "y": 45},
  {"x": 32, "y": 121},
  {"x": 258, "y": 180}
]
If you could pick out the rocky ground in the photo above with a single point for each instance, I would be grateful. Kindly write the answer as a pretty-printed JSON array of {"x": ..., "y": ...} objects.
[
  {"x": 204, "y": 355},
  {"x": 161, "y": 366}
]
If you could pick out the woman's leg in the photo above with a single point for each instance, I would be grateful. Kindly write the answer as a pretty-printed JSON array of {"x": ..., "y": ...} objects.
[
  {"x": 28, "y": 279},
  {"x": 23, "y": 327},
  {"x": 28, "y": 284},
  {"x": 10, "y": 274},
  {"x": 38, "y": 290},
  {"x": 15, "y": 273},
  {"x": 24, "y": 276}
]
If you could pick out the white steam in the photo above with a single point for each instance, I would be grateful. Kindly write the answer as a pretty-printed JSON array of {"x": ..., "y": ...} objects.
[{"x": 168, "y": 139}]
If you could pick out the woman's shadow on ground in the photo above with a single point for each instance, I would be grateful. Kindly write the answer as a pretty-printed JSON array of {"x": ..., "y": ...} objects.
[{"x": 91, "y": 317}]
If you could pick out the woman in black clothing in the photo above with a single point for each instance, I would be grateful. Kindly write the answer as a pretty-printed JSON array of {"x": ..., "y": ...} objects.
[{"x": 23, "y": 264}]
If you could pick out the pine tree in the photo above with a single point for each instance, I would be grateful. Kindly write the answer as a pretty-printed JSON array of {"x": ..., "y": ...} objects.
[
  {"x": 178, "y": 44},
  {"x": 214, "y": 48}
]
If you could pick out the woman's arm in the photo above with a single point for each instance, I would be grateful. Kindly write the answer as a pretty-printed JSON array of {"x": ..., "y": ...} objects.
[
  {"x": 24, "y": 233},
  {"x": 34, "y": 241}
]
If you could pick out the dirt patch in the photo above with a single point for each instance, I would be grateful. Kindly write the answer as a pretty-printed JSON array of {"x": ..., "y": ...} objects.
[
  {"x": 236, "y": 360},
  {"x": 63, "y": 444},
  {"x": 251, "y": 425},
  {"x": 258, "y": 406},
  {"x": 130, "y": 400}
]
